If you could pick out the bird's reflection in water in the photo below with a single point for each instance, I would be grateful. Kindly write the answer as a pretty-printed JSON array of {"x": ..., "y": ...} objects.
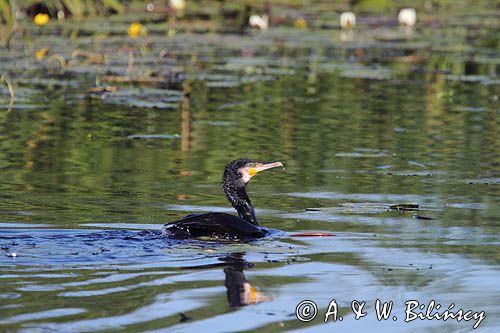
[{"x": 239, "y": 291}]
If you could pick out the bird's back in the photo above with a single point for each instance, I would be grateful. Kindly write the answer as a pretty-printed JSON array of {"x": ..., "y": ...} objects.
[{"x": 213, "y": 225}]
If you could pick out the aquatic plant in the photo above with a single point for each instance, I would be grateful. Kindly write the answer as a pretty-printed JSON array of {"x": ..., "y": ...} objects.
[
  {"x": 259, "y": 22},
  {"x": 7, "y": 22},
  {"x": 5, "y": 78},
  {"x": 347, "y": 20},
  {"x": 300, "y": 23},
  {"x": 179, "y": 6},
  {"x": 40, "y": 54},
  {"x": 41, "y": 19},
  {"x": 80, "y": 8},
  {"x": 407, "y": 17},
  {"x": 135, "y": 30}
]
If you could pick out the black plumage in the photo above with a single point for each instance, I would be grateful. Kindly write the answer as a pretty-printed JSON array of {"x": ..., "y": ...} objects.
[{"x": 221, "y": 225}]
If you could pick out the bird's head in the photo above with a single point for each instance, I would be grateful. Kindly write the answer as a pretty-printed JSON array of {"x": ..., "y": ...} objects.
[{"x": 242, "y": 170}]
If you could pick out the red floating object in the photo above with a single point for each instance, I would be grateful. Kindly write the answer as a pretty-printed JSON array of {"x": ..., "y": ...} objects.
[{"x": 312, "y": 234}]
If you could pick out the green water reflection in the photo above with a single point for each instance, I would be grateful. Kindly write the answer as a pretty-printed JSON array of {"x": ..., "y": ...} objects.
[{"x": 369, "y": 121}]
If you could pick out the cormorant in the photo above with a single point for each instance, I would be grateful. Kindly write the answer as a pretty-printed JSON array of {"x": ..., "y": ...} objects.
[{"x": 220, "y": 225}]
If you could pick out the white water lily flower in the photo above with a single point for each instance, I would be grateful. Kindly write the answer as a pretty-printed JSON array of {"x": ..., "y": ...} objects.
[
  {"x": 347, "y": 20},
  {"x": 260, "y": 22},
  {"x": 407, "y": 17}
]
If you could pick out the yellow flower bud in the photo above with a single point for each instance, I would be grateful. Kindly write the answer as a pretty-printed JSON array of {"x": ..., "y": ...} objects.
[
  {"x": 41, "y": 19},
  {"x": 40, "y": 54},
  {"x": 135, "y": 29},
  {"x": 300, "y": 23}
]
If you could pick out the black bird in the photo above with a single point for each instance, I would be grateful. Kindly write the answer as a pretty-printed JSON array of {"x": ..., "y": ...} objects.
[{"x": 220, "y": 225}]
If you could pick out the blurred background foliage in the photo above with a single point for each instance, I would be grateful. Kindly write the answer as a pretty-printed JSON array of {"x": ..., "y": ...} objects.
[{"x": 15, "y": 14}]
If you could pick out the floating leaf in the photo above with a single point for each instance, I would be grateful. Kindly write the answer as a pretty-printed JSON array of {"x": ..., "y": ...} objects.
[
  {"x": 405, "y": 207},
  {"x": 154, "y": 136}
]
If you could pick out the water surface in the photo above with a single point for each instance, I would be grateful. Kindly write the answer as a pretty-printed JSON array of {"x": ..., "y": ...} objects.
[{"x": 388, "y": 118}]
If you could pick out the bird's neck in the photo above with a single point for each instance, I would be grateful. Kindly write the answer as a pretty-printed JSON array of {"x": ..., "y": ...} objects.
[{"x": 237, "y": 196}]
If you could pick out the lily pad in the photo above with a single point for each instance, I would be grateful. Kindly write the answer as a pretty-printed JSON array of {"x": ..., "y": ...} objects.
[
  {"x": 364, "y": 208},
  {"x": 482, "y": 79},
  {"x": 368, "y": 73},
  {"x": 405, "y": 207},
  {"x": 154, "y": 136},
  {"x": 358, "y": 154}
]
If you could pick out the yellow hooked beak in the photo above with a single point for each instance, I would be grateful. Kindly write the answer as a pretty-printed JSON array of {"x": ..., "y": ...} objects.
[{"x": 252, "y": 171}]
